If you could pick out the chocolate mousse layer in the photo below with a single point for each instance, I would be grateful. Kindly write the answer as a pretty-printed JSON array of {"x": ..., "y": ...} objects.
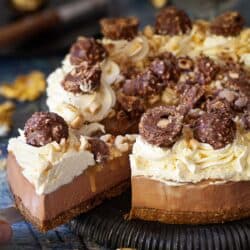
[
  {"x": 204, "y": 202},
  {"x": 85, "y": 192}
]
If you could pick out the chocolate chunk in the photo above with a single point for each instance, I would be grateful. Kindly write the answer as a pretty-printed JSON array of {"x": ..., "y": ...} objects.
[
  {"x": 246, "y": 120},
  {"x": 206, "y": 70},
  {"x": 45, "y": 127},
  {"x": 216, "y": 129},
  {"x": 191, "y": 96},
  {"x": 172, "y": 21},
  {"x": 237, "y": 79},
  {"x": 88, "y": 50},
  {"x": 161, "y": 126},
  {"x": 241, "y": 103},
  {"x": 83, "y": 79},
  {"x": 131, "y": 104},
  {"x": 185, "y": 64},
  {"x": 145, "y": 83},
  {"x": 227, "y": 24},
  {"x": 100, "y": 150},
  {"x": 119, "y": 28},
  {"x": 165, "y": 67},
  {"x": 219, "y": 105}
]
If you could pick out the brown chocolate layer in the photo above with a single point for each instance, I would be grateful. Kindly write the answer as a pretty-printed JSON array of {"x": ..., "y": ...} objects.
[
  {"x": 191, "y": 203},
  {"x": 83, "y": 193}
]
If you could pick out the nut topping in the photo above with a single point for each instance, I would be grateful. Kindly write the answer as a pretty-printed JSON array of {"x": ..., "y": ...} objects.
[
  {"x": 227, "y": 24},
  {"x": 185, "y": 64},
  {"x": 45, "y": 127},
  {"x": 87, "y": 50},
  {"x": 172, "y": 21},
  {"x": 119, "y": 28},
  {"x": 161, "y": 126},
  {"x": 216, "y": 129},
  {"x": 83, "y": 79}
]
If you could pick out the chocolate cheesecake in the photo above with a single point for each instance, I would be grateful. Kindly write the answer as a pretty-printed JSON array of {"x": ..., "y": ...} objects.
[
  {"x": 192, "y": 172},
  {"x": 55, "y": 175},
  {"x": 183, "y": 85}
]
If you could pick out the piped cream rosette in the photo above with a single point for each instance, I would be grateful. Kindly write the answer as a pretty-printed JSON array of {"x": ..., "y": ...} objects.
[{"x": 79, "y": 108}]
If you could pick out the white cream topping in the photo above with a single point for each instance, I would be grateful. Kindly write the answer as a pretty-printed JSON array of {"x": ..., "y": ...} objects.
[
  {"x": 53, "y": 165},
  {"x": 66, "y": 64},
  {"x": 93, "y": 107},
  {"x": 192, "y": 161}
]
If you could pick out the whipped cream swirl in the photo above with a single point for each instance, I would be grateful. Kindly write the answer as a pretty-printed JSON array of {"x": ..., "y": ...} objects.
[
  {"x": 190, "y": 161},
  {"x": 92, "y": 107}
]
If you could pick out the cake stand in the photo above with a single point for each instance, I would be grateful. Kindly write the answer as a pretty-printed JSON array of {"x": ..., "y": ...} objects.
[{"x": 106, "y": 226}]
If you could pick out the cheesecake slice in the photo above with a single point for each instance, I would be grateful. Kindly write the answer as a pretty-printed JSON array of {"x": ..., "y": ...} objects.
[
  {"x": 55, "y": 175},
  {"x": 183, "y": 174}
]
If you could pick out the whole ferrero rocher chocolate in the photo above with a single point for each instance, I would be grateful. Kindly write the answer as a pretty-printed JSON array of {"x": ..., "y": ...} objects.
[
  {"x": 161, "y": 126},
  {"x": 228, "y": 24},
  {"x": 45, "y": 127},
  {"x": 119, "y": 28},
  {"x": 87, "y": 50},
  {"x": 216, "y": 129},
  {"x": 83, "y": 79},
  {"x": 172, "y": 21}
]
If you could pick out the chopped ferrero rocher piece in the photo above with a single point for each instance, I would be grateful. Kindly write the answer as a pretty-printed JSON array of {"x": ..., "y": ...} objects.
[
  {"x": 165, "y": 67},
  {"x": 100, "y": 150},
  {"x": 83, "y": 79},
  {"x": 191, "y": 96},
  {"x": 172, "y": 21},
  {"x": 131, "y": 104},
  {"x": 246, "y": 120},
  {"x": 206, "y": 70},
  {"x": 119, "y": 28},
  {"x": 228, "y": 24},
  {"x": 219, "y": 105},
  {"x": 144, "y": 84},
  {"x": 45, "y": 127},
  {"x": 87, "y": 50},
  {"x": 161, "y": 126},
  {"x": 216, "y": 129}
]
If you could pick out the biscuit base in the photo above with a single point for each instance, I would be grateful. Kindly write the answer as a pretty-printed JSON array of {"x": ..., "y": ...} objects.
[{"x": 202, "y": 203}]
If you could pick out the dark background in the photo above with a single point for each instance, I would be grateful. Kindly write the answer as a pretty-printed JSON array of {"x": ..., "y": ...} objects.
[{"x": 57, "y": 40}]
